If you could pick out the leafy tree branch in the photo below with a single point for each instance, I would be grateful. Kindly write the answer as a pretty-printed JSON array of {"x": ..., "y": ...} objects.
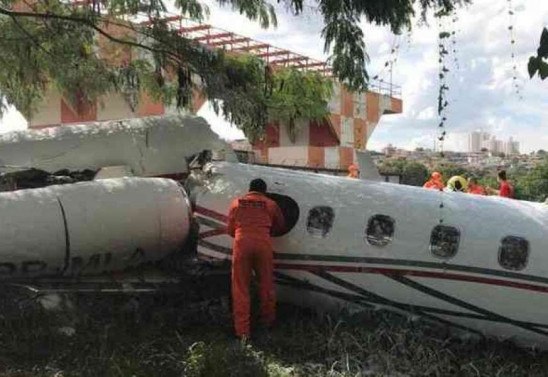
[
  {"x": 537, "y": 64},
  {"x": 50, "y": 43}
]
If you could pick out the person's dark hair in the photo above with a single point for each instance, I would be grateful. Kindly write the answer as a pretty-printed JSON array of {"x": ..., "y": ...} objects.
[
  {"x": 458, "y": 186},
  {"x": 257, "y": 185},
  {"x": 502, "y": 175}
]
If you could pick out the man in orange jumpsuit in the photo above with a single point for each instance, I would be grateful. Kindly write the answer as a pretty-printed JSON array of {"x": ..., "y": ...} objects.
[
  {"x": 435, "y": 182},
  {"x": 353, "y": 171},
  {"x": 251, "y": 221}
]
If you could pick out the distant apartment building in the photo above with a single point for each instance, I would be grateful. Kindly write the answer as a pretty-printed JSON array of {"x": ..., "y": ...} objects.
[
  {"x": 479, "y": 140},
  {"x": 475, "y": 140},
  {"x": 511, "y": 147}
]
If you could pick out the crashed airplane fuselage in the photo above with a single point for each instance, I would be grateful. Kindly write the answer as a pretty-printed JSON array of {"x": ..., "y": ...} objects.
[{"x": 477, "y": 263}]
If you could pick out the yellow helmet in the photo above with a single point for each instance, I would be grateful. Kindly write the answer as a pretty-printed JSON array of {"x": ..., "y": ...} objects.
[{"x": 457, "y": 183}]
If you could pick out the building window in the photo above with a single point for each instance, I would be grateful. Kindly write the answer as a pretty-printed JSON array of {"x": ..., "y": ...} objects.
[
  {"x": 290, "y": 211},
  {"x": 444, "y": 241},
  {"x": 513, "y": 253},
  {"x": 380, "y": 230},
  {"x": 320, "y": 221}
]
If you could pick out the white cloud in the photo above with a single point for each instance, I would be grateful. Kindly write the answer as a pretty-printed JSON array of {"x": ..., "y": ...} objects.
[
  {"x": 219, "y": 125},
  {"x": 12, "y": 121}
]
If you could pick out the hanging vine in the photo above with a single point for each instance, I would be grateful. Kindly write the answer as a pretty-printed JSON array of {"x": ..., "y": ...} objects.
[
  {"x": 445, "y": 39},
  {"x": 391, "y": 60},
  {"x": 511, "y": 18},
  {"x": 443, "y": 71},
  {"x": 454, "y": 21}
]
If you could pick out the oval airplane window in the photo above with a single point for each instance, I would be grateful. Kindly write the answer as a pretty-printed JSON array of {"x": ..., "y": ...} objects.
[
  {"x": 513, "y": 253},
  {"x": 444, "y": 241},
  {"x": 320, "y": 220},
  {"x": 290, "y": 210},
  {"x": 380, "y": 230}
]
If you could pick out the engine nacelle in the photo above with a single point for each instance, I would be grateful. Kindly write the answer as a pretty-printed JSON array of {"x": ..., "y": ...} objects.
[{"x": 91, "y": 227}]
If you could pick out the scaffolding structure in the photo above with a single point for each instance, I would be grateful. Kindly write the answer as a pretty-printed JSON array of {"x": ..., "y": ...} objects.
[{"x": 216, "y": 38}]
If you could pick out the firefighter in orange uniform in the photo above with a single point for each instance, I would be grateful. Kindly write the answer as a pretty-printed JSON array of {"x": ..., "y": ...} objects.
[
  {"x": 252, "y": 220},
  {"x": 474, "y": 187},
  {"x": 353, "y": 171},
  {"x": 435, "y": 182}
]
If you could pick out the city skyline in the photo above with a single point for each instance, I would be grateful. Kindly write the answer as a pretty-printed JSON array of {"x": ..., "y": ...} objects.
[
  {"x": 470, "y": 142},
  {"x": 480, "y": 140}
]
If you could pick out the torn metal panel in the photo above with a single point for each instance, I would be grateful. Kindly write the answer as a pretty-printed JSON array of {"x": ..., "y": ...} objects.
[{"x": 151, "y": 146}]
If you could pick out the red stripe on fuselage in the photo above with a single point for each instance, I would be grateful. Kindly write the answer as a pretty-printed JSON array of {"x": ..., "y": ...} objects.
[
  {"x": 417, "y": 273},
  {"x": 388, "y": 271},
  {"x": 214, "y": 215},
  {"x": 212, "y": 233}
]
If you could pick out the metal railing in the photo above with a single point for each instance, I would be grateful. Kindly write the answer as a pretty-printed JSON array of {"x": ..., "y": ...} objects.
[
  {"x": 385, "y": 88},
  {"x": 217, "y": 38}
]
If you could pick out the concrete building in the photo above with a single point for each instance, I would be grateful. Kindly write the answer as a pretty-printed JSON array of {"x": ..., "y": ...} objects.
[
  {"x": 511, "y": 147},
  {"x": 474, "y": 141},
  {"x": 332, "y": 142},
  {"x": 328, "y": 144},
  {"x": 479, "y": 140}
]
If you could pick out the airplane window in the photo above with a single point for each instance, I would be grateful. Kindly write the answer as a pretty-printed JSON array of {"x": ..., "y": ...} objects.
[
  {"x": 513, "y": 253},
  {"x": 444, "y": 241},
  {"x": 380, "y": 230},
  {"x": 320, "y": 221},
  {"x": 290, "y": 210}
]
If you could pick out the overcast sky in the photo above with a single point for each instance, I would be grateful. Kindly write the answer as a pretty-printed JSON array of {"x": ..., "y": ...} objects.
[{"x": 480, "y": 93}]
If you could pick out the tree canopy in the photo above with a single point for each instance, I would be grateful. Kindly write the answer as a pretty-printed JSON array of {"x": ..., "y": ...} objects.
[
  {"x": 54, "y": 43},
  {"x": 537, "y": 64}
]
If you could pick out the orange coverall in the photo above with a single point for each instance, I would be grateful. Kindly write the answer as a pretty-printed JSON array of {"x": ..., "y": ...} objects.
[
  {"x": 251, "y": 220},
  {"x": 353, "y": 171},
  {"x": 476, "y": 189},
  {"x": 433, "y": 184}
]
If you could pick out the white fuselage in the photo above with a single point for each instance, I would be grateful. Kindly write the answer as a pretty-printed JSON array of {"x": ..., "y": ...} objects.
[{"x": 478, "y": 263}]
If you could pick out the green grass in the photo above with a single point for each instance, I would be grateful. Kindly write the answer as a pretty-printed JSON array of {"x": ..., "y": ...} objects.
[{"x": 173, "y": 337}]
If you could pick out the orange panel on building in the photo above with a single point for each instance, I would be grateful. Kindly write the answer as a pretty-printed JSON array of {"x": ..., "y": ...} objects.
[
  {"x": 148, "y": 107},
  {"x": 316, "y": 157},
  {"x": 271, "y": 139},
  {"x": 347, "y": 105},
  {"x": 83, "y": 112},
  {"x": 322, "y": 135},
  {"x": 396, "y": 105},
  {"x": 346, "y": 156},
  {"x": 373, "y": 112}
]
